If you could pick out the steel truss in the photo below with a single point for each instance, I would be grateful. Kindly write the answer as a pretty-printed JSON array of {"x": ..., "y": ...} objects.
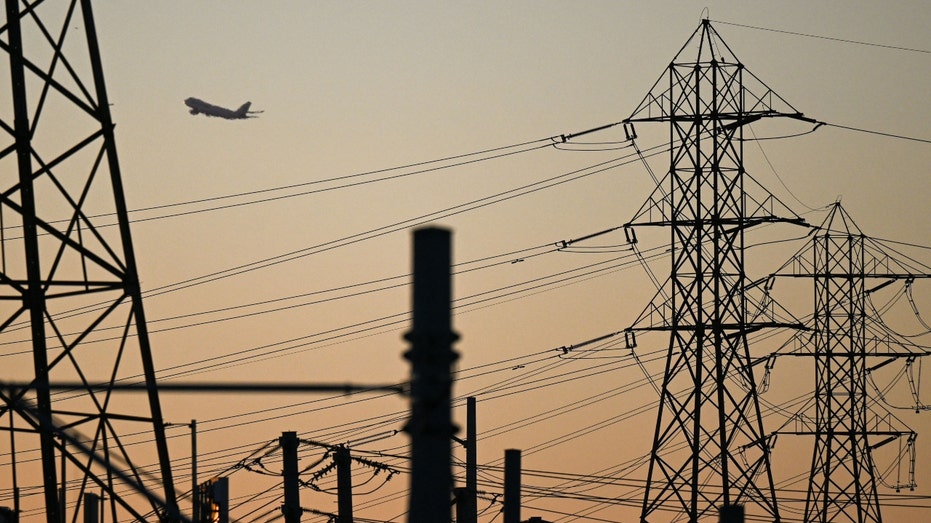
[
  {"x": 840, "y": 259},
  {"x": 70, "y": 303},
  {"x": 709, "y": 449}
]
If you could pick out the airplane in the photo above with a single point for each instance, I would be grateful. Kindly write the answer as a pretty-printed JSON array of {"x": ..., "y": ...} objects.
[{"x": 199, "y": 106}]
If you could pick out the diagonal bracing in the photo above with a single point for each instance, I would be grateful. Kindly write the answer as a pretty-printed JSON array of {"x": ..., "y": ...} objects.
[
  {"x": 841, "y": 261},
  {"x": 70, "y": 303},
  {"x": 709, "y": 449}
]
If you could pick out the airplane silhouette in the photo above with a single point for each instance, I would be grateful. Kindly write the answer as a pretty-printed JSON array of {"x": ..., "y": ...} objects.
[{"x": 201, "y": 107}]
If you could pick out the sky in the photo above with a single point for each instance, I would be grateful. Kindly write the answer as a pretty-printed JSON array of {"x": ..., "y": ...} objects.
[{"x": 278, "y": 248}]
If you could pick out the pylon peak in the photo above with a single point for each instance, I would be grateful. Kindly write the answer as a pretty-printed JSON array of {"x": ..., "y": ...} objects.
[{"x": 706, "y": 58}]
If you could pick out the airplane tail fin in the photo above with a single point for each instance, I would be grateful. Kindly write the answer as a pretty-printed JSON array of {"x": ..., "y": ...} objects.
[{"x": 243, "y": 110}]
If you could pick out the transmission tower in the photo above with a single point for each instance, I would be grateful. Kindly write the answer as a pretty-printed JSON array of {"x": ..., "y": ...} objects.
[
  {"x": 709, "y": 450},
  {"x": 841, "y": 260},
  {"x": 70, "y": 304}
]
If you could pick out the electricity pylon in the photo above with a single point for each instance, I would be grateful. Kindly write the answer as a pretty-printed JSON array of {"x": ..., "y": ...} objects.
[
  {"x": 70, "y": 303},
  {"x": 709, "y": 449},
  {"x": 841, "y": 261}
]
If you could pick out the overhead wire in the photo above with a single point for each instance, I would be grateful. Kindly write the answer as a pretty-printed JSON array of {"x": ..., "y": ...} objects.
[
  {"x": 292, "y": 344},
  {"x": 775, "y": 173},
  {"x": 397, "y": 226},
  {"x": 380, "y": 231},
  {"x": 878, "y": 133},
  {"x": 281, "y": 258},
  {"x": 563, "y": 488},
  {"x": 468, "y": 303},
  {"x": 444, "y": 163},
  {"x": 548, "y": 249},
  {"x": 848, "y": 41},
  {"x": 158, "y": 330},
  {"x": 834, "y": 39},
  {"x": 260, "y": 449}
]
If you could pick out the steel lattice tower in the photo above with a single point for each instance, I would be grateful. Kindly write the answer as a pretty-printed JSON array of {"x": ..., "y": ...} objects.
[
  {"x": 709, "y": 449},
  {"x": 841, "y": 260},
  {"x": 70, "y": 303}
]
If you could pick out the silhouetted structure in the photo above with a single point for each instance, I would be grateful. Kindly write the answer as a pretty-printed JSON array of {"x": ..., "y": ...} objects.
[
  {"x": 431, "y": 355},
  {"x": 344, "y": 483},
  {"x": 840, "y": 260},
  {"x": 213, "y": 501},
  {"x": 291, "y": 508},
  {"x": 512, "y": 496},
  {"x": 68, "y": 278},
  {"x": 709, "y": 448},
  {"x": 732, "y": 514}
]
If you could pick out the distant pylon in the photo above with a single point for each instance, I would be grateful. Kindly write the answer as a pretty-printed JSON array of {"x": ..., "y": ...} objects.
[
  {"x": 709, "y": 449},
  {"x": 70, "y": 302},
  {"x": 840, "y": 260}
]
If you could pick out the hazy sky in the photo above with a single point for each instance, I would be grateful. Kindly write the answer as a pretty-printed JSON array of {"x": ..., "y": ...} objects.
[{"x": 352, "y": 87}]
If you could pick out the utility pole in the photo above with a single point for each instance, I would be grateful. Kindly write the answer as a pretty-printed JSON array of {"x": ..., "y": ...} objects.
[
  {"x": 292, "y": 497},
  {"x": 64, "y": 479},
  {"x": 431, "y": 355},
  {"x": 344, "y": 483},
  {"x": 512, "y": 486},
  {"x": 709, "y": 448},
  {"x": 91, "y": 508},
  {"x": 467, "y": 497},
  {"x": 195, "y": 500},
  {"x": 471, "y": 463}
]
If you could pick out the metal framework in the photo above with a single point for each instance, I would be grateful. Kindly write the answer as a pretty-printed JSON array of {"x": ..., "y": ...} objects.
[
  {"x": 709, "y": 449},
  {"x": 841, "y": 260},
  {"x": 70, "y": 303}
]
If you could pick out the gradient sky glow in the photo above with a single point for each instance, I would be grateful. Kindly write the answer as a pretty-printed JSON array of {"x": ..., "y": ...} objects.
[{"x": 355, "y": 87}]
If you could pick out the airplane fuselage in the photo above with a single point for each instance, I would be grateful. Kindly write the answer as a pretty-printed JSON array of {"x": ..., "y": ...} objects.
[{"x": 198, "y": 106}]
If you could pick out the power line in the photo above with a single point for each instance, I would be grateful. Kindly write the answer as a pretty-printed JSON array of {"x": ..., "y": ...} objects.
[
  {"x": 831, "y": 38},
  {"x": 397, "y": 226},
  {"x": 502, "y": 151},
  {"x": 438, "y": 164},
  {"x": 878, "y": 133},
  {"x": 380, "y": 231}
]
